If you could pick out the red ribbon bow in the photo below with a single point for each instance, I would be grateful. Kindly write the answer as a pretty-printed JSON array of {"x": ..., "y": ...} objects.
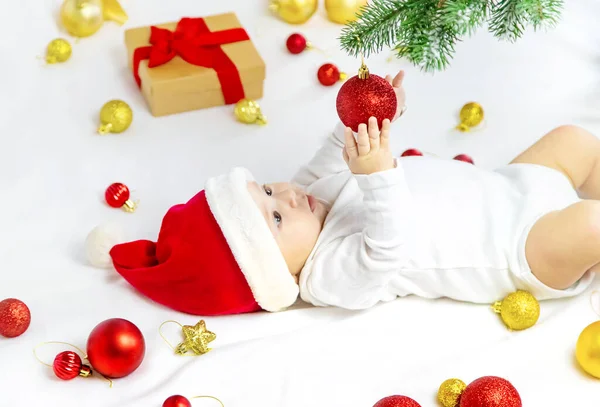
[{"x": 197, "y": 45}]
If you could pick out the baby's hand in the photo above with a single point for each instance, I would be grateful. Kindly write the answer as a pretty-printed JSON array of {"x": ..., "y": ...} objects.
[
  {"x": 400, "y": 94},
  {"x": 371, "y": 152}
]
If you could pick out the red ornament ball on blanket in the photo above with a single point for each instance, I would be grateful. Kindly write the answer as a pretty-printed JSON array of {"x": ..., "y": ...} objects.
[
  {"x": 14, "y": 318},
  {"x": 465, "y": 158},
  {"x": 363, "y": 96},
  {"x": 490, "y": 391},
  {"x": 412, "y": 152},
  {"x": 67, "y": 365},
  {"x": 117, "y": 194},
  {"x": 296, "y": 43},
  {"x": 329, "y": 74},
  {"x": 116, "y": 348},
  {"x": 177, "y": 401},
  {"x": 397, "y": 401}
]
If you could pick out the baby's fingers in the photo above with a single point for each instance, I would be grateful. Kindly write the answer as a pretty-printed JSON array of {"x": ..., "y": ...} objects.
[
  {"x": 373, "y": 133},
  {"x": 397, "y": 82},
  {"x": 384, "y": 138},
  {"x": 351, "y": 151},
  {"x": 363, "y": 140}
]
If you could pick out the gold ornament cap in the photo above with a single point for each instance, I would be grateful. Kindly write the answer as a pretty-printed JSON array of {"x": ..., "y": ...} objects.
[{"x": 519, "y": 310}]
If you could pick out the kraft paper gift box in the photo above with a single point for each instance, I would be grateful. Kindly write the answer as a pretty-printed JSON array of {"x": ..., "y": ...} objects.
[{"x": 195, "y": 63}]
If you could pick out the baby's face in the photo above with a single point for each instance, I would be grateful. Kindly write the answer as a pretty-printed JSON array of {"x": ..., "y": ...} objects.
[{"x": 295, "y": 219}]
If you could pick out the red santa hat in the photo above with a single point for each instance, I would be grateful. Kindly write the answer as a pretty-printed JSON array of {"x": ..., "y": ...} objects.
[{"x": 215, "y": 255}]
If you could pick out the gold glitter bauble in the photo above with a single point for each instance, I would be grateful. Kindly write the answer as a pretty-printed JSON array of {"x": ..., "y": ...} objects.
[
  {"x": 59, "y": 50},
  {"x": 450, "y": 391},
  {"x": 587, "y": 350},
  {"x": 248, "y": 111},
  {"x": 82, "y": 18},
  {"x": 343, "y": 11},
  {"x": 519, "y": 310},
  {"x": 294, "y": 11},
  {"x": 471, "y": 115},
  {"x": 115, "y": 117}
]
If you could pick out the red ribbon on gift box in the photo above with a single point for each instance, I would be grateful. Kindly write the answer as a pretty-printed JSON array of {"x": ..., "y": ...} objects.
[{"x": 197, "y": 45}]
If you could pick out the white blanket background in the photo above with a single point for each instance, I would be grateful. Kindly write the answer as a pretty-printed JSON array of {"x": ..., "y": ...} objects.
[{"x": 54, "y": 169}]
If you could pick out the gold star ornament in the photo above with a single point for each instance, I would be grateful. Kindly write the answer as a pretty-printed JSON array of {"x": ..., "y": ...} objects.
[{"x": 196, "y": 339}]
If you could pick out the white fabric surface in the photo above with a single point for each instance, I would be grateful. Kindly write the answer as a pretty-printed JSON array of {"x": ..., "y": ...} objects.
[{"x": 54, "y": 170}]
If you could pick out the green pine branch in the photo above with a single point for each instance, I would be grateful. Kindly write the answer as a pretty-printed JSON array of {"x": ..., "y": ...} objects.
[{"x": 426, "y": 31}]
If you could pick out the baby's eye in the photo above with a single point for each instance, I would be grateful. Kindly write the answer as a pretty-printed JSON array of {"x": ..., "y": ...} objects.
[
  {"x": 277, "y": 218},
  {"x": 268, "y": 190}
]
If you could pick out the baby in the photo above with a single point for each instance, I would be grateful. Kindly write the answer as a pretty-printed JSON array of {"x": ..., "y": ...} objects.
[{"x": 357, "y": 227}]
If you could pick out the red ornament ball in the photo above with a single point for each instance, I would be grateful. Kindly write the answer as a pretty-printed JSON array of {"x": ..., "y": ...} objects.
[
  {"x": 490, "y": 391},
  {"x": 328, "y": 74},
  {"x": 397, "y": 401},
  {"x": 116, "y": 348},
  {"x": 412, "y": 152},
  {"x": 67, "y": 365},
  {"x": 177, "y": 401},
  {"x": 465, "y": 158},
  {"x": 116, "y": 195},
  {"x": 359, "y": 99},
  {"x": 14, "y": 318},
  {"x": 296, "y": 43}
]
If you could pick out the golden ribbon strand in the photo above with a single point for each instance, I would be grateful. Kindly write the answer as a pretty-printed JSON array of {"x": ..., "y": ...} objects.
[{"x": 209, "y": 397}]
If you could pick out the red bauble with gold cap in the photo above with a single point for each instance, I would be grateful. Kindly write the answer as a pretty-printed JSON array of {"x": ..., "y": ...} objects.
[
  {"x": 490, "y": 391},
  {"x": 363, "y": 96},
  {"x": 68, "y": 365},
  {"x": 397, "y": 401}
]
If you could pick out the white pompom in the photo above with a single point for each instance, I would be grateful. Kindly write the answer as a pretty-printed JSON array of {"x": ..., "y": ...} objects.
[{"x": 99, "y": 242}]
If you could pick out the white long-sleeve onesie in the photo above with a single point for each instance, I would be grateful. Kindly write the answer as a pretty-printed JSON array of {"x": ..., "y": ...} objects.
[{"x": 430, "y": 227}]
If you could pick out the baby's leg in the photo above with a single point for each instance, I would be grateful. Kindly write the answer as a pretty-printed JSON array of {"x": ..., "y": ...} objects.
[
  {"x": 563, "y": 245},
  {"x": 573, "y": 151}
]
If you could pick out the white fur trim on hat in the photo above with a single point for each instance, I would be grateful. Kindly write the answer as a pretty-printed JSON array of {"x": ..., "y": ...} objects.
[{"x": 251, "y": 240}]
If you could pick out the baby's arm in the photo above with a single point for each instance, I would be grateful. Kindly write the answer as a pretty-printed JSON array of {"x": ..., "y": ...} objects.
[{"x": 353, "y": 272}]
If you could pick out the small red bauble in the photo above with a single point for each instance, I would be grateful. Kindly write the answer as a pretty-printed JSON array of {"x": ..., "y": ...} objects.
[
  {"x": 490, "y": 391},
  {"x": 67, "y": 365},
  {"x": 117, "y": 195},
  {"x": 296, "y": 43},
  {"x": 363, "y": 96},
  {"x": 329, "y": 74},
  {"x": 116, "y": 348},
  {"x": 177, "y": 401},
  {"x": 465, "y": 158},
  {"x": 397, "y": 401},
  {"x": 411, "y": 152},
  {"x": 14, "y": 318}
]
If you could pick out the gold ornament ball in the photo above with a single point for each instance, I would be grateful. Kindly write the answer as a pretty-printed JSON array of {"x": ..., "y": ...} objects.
[
  {"x": 248, "y": 111},
  {"x": 450, "y": 391},
  {"x": 343, "y": 11},
  {"x": 471, "y": 115},
  {"x": 294, "y": 11},
  {"x": 519, "y": 310},
  {"x": 115, "y": 117},
  {"x": 59, "y": 50},
  {"x": 82, "y": 18},
  {"x": 587, "y": 351}
]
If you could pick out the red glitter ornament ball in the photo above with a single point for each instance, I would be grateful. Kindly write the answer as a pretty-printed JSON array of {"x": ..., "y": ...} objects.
[
  {"x": 490, "y": 391},
  {"x": 177, "y": 401},
  {"x": 363, "y": 96},
  {"x": 411, "y": 152},
  {"x": 67, "y": 365},
  {"x": 397, "y": 401},
  {"x": 465, "y": 158},
  {"x": 14, "y": 318},
  {"x": 296, "y": 43},
  {"x": 116, "y": 348},
  {"x": 329, "y": 74},
  {"x": 116, "y": 195}
]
